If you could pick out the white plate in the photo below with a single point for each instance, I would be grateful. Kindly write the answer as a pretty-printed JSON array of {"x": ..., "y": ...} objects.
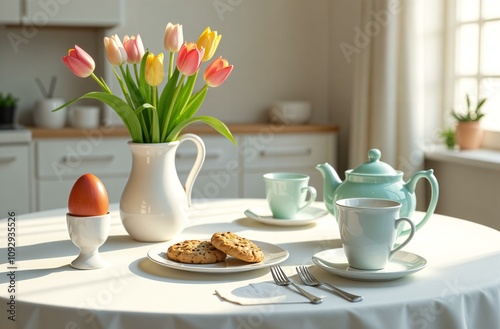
[
  {"x": 306, "y": 216},
  {"x": 402, "y": 264},
  {"x": 272, "y": 255}
]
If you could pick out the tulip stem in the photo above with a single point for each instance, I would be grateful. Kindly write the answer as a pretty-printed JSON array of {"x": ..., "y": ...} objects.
[
  {"x": 171, "y": 107},
  {"x": 171, "y": 65},
  {"x": 136, "y": 74},
  {"x": 103, "y": 85}
]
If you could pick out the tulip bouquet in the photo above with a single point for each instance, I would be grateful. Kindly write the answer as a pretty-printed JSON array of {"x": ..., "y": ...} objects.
[{"x": 152, "y": 116}]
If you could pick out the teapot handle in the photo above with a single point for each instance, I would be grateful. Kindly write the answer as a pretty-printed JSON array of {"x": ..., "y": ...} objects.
[
  {"x": 429, "y": 175},
  {"x": 200, "y": 158}
]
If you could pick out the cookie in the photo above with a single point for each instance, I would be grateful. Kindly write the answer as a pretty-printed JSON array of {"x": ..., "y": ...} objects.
[
  {"x": 237, "y": 247},
  {"x": 195, "y": 252}
]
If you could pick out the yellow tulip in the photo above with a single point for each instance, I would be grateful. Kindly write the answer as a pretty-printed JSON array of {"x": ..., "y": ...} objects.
[
  {"x": 210, "y": 41},
  {"x": 154, "y": 69}
]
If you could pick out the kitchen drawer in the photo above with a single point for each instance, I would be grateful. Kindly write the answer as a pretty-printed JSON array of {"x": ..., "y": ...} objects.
[
  {"x": 220, "y": 153},
  {"x": 58, "y": 159},
  {"x": 279, "y": 152},
  {"x": 10, "y": 11},
  {"x": 219, "y": 175},
  {"x": 14, "y": 174},
  {"x": 254, "y": 186},
  {"x": 52, "y": 194}
]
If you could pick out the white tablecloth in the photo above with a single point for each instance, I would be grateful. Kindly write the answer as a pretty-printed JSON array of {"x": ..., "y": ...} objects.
[{"x": 459, "y": 288}]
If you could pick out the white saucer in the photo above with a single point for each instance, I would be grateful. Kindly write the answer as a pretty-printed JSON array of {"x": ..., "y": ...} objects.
[
  {"x": 306, "y": 216},
  {"x": 402, "y": 264}
]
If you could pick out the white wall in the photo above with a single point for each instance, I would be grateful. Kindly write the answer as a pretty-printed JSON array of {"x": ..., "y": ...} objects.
[
  {"x": 281, "y": 50},
  {"x": 344, "y": 17},
  {"x": 278, "y": 48},
  {"x": 30, "y": 52}
]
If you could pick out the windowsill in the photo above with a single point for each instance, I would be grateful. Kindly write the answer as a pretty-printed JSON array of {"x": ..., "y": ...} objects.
[{"x": 481, "y": 158}]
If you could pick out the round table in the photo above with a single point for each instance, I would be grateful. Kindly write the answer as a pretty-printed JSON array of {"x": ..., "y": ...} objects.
[{"x": 459, "y": 287}]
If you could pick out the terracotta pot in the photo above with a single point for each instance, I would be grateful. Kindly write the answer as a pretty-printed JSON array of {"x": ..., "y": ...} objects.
[{"x": 469, "y": 135}]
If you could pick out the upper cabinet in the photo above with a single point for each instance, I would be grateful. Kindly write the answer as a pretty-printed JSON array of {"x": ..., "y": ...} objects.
[
  {"x": 10, "y": 11},
  {"x": 82, "y": 13}
]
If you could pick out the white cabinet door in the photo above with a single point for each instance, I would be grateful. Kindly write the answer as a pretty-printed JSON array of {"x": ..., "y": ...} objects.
[
  {"x": 10, "y": 11},
  {"x": 73, "y": 12},
  {"x": 298, "y": 153},
  {"x": 14, "y": 177},
  {"x": 254, "y": 183},
  {"x": 53, "y": 194},
  {"x": 219, "y": 175},
  {"x": 59, "y": 163}
]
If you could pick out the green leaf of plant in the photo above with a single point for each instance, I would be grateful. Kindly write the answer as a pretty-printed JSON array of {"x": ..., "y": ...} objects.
[
  {"x": 480, "y": 104},
  {"x": 124, "y": 111},
  {"x": 166, "y": 96},
  {"x": 155, "y": 131},
  {"x": 66, "y": 104},
  {"x": 124, "y": 90},
  {"x": 192, "y": 107},
  {"x": 211, "y": 121},
  {"x": 143, "y": 85},
  {"x": 184, "y": 95},
  {"x": 135, "y": 93}
]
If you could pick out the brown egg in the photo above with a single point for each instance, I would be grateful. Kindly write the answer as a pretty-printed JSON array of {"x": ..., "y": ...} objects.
[{"x": 88, "y": 197}]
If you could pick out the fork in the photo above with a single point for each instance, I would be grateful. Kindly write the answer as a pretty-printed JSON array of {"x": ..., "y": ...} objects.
[
  {"x": 309, "y": 280},
  {"x": 281, "y": 279}
]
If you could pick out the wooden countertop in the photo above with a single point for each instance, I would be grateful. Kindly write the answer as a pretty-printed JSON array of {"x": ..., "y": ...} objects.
[{"x": 202, "y": 129}]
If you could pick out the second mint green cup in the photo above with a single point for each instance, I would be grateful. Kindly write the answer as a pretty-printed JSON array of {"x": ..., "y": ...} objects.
[{"x": 286, "y": 193}]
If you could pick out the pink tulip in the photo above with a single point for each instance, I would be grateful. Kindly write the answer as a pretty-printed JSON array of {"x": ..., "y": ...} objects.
[
  {"x": 134, "y": 48},
  {"x": 114, "y": 50},
  {"x": 217, "y": 72},
  {"x": 81, "y": 63},
  {"x": 174, "y": 38},
  {"x": 189, "y": 59}
]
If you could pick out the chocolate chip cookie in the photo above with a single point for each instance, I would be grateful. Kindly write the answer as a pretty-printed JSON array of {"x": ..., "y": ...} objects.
[
  {"x": 195, "y": 252},
  {"x": 237, "y": 247}
]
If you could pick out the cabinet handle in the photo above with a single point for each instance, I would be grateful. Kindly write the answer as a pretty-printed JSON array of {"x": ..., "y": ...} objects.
[
  {"x": 7, "y": 159},
  {"x": 286, "y": 152},
  {"x": 208, "y": 155},
  {"x": 91, "y": 158}
]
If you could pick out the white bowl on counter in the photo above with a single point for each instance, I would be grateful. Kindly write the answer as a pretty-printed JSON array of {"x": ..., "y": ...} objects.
[{"x": 290, "y": 112}]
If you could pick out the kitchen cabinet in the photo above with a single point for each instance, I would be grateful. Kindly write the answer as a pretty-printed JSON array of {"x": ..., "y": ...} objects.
[
  {"x": 219, "y": 176},
  {"x": 10, "y": 11},
  {"x": 61, "y": 12},
  {"x": 229, "y": 171},
  {"x": 15, "y": 190},
  {"x": 59, "y": 163}
]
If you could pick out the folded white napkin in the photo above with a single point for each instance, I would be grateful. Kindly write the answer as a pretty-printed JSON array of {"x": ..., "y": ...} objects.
[{"x": 264, "y": 293}]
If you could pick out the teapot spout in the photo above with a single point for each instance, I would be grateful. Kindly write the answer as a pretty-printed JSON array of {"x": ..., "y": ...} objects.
[{"x": 331, "y": 181}]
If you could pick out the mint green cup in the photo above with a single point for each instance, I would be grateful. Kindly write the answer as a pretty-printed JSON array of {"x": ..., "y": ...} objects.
[{"x": 286, "y": 194}]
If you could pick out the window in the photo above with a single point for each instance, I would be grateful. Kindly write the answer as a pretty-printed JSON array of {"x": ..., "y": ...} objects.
[{"x": 477, "y": 56}]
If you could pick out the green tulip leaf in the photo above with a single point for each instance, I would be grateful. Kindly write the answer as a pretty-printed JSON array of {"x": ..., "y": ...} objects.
[{"x": 215, "y": 123}]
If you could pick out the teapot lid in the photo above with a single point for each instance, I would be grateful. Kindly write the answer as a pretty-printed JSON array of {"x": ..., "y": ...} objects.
[{"x": 374, "y": 166}]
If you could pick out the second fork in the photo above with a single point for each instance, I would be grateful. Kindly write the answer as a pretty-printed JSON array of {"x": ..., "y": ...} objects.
[
  {"x": 281, "y": 279},
  {"x": 309, "y": 280}
]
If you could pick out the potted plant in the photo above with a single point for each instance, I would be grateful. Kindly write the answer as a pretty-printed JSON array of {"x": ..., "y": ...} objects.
[
  {"x": 7, "y": 108},
  {"x": 448, "y": 136},
  {"x": 468, "y": 132}
]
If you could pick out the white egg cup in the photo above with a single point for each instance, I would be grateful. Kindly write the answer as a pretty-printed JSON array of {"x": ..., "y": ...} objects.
[{"x": 88, "y": 233}]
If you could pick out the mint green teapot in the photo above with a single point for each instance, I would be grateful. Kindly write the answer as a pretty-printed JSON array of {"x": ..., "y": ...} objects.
[{"x": 377, "y": 179}]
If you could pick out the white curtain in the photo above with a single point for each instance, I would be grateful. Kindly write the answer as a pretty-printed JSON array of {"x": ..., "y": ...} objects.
[{"x": 392, "y": 79}]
